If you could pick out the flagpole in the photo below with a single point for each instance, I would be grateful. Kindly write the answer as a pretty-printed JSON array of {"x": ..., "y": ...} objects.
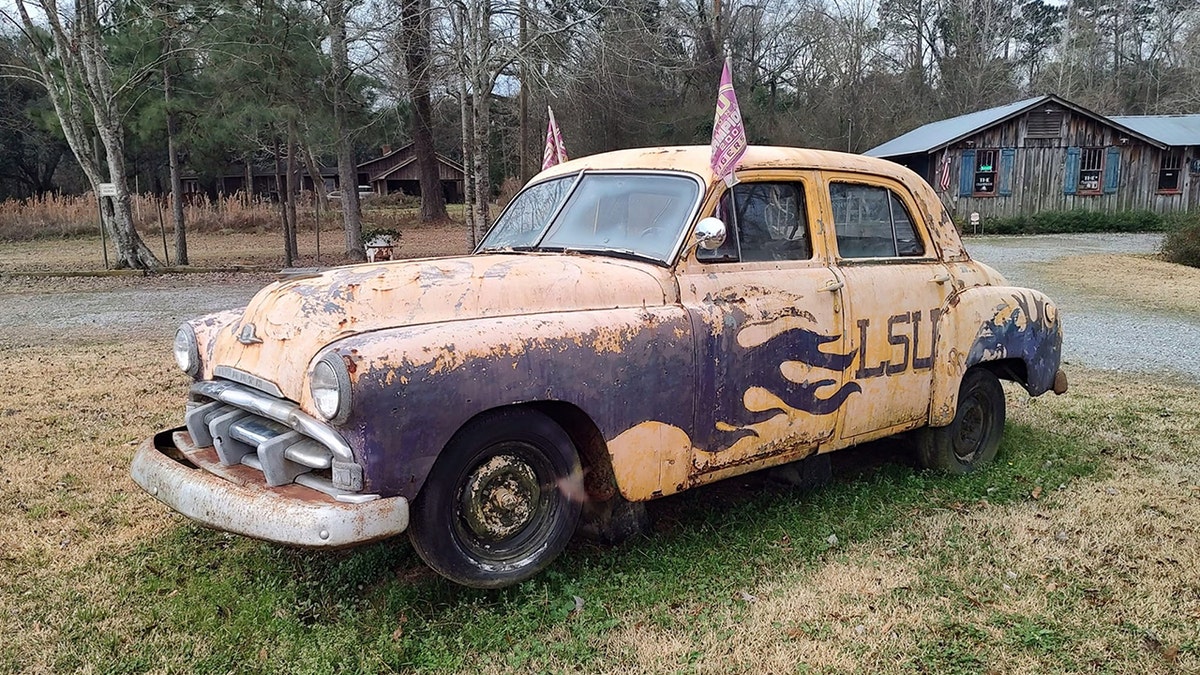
[{"x": 737, "y": 240}]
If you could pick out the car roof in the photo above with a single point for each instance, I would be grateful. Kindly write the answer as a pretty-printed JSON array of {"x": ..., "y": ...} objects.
[{"x": 696, "y": 159}]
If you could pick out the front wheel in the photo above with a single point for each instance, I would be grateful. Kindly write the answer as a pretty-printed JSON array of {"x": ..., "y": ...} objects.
[
  {"x": 972, "y": 439},
  {"x": 491, "y": 513}
]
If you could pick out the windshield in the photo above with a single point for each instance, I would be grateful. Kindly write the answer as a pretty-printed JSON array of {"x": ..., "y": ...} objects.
[{"x": 631, "y": 214}]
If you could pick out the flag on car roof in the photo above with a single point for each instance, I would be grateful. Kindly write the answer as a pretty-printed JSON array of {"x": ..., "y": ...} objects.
[
  {"x": 555, "y": 152},
  {"x": 729, "y": 136}
]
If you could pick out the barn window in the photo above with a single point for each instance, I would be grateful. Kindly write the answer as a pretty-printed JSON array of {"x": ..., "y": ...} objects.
[
  {"x": 985, "y": 173},
  {"x": 1168, "y": 172},
  {"x": 1091, "y": 168},
  {"x": 1045, "y": 123}
]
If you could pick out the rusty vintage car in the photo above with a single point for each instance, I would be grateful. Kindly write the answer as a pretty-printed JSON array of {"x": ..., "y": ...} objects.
[{"x": 629, "y": 328}]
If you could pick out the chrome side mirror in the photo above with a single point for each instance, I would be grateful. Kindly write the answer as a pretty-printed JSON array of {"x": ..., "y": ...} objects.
[{"x": 709, "y": 234}]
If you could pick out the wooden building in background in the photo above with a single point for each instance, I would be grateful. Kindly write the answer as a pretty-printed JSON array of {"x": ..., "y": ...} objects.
[
  {"x": 1048, "y": 154},
  {"x": 397, "y": 171}
]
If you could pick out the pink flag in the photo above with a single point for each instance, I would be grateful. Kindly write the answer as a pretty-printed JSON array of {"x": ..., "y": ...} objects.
[
  {"x": 729, "y": 136},
  {"x": 555, "y": 152}
]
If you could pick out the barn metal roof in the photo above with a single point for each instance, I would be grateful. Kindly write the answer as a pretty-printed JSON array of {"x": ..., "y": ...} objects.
[
  {"x": 1167, "y": 129},
  {"x": 937, "y": 135},
  {"x": 944, "y": 132}
]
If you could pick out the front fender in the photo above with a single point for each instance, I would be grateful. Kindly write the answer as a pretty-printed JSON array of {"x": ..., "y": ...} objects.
[
  {"x": 991, "y": 323},
  {"x": 413, "y": 387}
]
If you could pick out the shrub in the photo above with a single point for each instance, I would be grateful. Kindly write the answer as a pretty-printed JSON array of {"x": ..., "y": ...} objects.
[
  {"x": 1182, "y": 243},
  {"x": 1077, "y": 220}
]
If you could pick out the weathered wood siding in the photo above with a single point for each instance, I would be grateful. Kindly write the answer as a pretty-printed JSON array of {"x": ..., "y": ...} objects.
[
  {"x": 412, "y": 171},
  {"x": 1039, "y": 170}
]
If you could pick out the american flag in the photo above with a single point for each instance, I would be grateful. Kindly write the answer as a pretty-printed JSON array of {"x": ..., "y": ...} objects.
[
  {"x": 556, "y": 152},
  {"x": 944, "y": 180}
]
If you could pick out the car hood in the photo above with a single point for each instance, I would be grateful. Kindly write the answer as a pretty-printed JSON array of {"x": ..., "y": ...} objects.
[{"x": 290, "y": 321}]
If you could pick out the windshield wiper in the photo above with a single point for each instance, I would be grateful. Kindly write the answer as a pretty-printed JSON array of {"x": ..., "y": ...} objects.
[{"x": 625, "y": 253}]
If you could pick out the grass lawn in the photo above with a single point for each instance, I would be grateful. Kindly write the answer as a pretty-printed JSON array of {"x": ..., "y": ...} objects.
[
  {"x": 1077, "y": 551},
  {"x": 1141, "y": 280}
]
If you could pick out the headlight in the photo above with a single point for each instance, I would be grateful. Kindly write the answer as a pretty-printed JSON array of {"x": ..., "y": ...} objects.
[
  {"x": 187, "y": 353},
  {"x": 330, "y": 386}
]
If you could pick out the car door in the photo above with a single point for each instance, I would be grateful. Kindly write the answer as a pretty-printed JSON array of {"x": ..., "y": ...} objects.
[
  {"x": 895, "y": 289},
  {"x": 770, "y": 349}
]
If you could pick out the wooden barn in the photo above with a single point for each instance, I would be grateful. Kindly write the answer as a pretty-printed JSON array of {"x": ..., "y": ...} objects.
[
  {"x": 397, "y": 171},
  {"x": 1048, "y": 154}
]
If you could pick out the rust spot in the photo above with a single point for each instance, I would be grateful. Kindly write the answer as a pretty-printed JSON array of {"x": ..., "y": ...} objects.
[{"x": 351, "y": 366}]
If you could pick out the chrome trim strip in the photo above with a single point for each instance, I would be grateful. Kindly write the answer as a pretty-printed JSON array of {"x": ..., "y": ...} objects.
[
  {"x": 242, "y": 377},
  {"x": 285, "y": 412}
]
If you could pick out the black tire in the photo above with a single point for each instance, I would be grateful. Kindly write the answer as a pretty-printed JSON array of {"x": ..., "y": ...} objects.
[
  {"x": 973, "y": 438},
  {"x": 491, "y": 513}
]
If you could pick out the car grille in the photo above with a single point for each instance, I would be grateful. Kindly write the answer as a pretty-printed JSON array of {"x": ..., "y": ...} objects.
[{"x": 271, "y": 435}]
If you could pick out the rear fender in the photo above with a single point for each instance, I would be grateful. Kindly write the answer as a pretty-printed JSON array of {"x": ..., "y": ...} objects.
[{"x": 993, "y": 323}]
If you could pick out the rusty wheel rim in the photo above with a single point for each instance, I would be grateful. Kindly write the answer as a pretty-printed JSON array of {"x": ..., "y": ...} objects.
[
  {"x": 505, "y": 508},
  {"x": 972, "y": 428}
]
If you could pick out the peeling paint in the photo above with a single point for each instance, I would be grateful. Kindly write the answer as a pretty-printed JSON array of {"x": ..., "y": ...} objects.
[{"x": 690, "y": 373}]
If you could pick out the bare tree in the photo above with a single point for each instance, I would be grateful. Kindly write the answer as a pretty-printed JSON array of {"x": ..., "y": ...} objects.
[
  {"x": 415, "y": 41},
  {"x": 347, "y": 168},
  {"x": 73, "y": 67}
]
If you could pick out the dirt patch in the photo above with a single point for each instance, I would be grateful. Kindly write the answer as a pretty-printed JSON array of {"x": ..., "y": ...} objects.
[{"x": 1143, "y": 281}]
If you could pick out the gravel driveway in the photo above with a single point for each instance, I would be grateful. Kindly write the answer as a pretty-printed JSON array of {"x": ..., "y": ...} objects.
[
  {"x": 1099, "y": 333},
  {"x": 34, "y": 310}
]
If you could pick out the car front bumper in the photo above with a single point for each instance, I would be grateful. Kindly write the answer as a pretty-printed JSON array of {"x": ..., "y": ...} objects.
[{"x": 237, "y": 499}]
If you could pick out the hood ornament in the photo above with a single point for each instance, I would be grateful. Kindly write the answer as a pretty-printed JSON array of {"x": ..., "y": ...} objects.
[{"x": 247, "y": 336}]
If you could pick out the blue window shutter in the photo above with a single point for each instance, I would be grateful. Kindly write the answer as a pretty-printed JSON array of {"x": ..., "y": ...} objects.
[
  {"x": 1071, "y": 174},
  {"x": 966, "y": 174},
  {"x": 1112, "y": 169},
  {"x": 1007, "y": 159}
]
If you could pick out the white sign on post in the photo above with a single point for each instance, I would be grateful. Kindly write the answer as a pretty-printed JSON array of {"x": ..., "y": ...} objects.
[{"x": 107, "y": 189}]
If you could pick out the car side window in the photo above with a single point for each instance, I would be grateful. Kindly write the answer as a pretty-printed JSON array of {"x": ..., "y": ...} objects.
[
  {"x": 771, "y": 223},
  {"x": 872, "y": 222}
]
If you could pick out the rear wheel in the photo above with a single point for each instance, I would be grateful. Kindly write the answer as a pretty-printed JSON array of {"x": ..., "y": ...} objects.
[
  {"x": 491, "y": 512},
  {"x": 972, "y": 439}
]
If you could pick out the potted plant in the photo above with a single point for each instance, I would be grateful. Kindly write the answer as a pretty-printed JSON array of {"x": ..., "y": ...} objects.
[{"x": 380, "y": 242}]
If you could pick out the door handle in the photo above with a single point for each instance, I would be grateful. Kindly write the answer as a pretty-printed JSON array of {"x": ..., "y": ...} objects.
[
  {"x": 833, "y": 285},
  {"x": 940, "y": 278}
]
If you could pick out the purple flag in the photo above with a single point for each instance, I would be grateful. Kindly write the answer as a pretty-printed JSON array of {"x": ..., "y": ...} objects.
[
  {"x": 555, "y": 152},
  {"x": 729, "y": 136}
]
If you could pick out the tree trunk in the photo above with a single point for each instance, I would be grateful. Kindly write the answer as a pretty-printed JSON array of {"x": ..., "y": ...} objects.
[
  {"x": 79, "y": 80},
  {"x": 481, "y": 85},
  {"x": 181, "y": 253},
  {"x": 248, "y": 190},
  {"x": 523, "y": 172},
  {"x": 314, "y": 174},
  {"x": 283, "y": 216},
  {"x": 347, "y": 170},
  {"x": 415, "y": 29},
  {"x": 293, "y": 176},
  {"x": 464, "y": 109}
]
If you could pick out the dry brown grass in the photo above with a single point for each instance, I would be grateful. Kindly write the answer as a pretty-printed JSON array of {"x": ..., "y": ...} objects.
[
  {"x": 1140, "y": 280},
  {"x": 57, "y": 216},
  {"x": 225, "y": 249},
  {"x": 60, "y": 233}
]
